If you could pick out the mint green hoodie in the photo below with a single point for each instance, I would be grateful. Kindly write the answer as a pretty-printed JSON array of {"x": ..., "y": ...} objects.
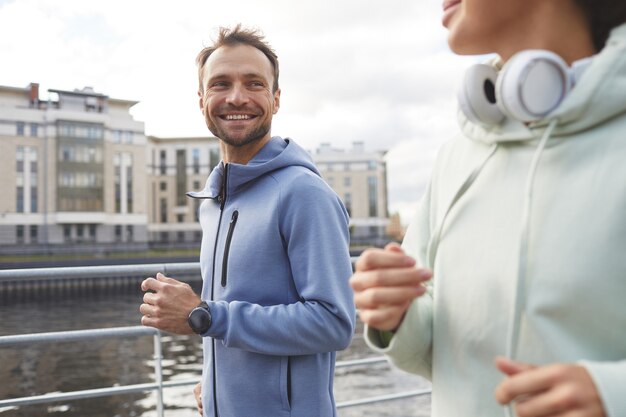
[{"x": 525, "y": 230}]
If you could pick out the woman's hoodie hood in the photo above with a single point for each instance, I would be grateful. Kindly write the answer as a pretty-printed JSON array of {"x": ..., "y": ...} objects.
[{"x": 599, "y": 96}]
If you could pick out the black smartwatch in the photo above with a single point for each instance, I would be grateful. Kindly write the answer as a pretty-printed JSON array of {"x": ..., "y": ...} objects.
[{"x": 200, "y": 318}]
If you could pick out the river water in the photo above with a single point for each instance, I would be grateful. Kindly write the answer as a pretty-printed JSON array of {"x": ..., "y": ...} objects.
[{"x": 60, "y": 367}]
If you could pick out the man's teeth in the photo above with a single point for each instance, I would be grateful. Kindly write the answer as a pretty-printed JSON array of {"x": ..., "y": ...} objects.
[{"x": 237, "y": 117}]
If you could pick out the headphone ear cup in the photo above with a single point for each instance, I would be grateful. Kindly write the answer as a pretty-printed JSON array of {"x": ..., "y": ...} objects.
[
  {"x": 476, "y": 95},
  {"x": 532, "y": 84}
]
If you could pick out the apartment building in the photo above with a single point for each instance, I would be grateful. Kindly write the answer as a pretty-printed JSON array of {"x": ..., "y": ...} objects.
[
  {"x": 359, "y": 177},
  {"x": 79, "y": 174},
  {"x": 175, "y": 166},
  {"x": 72, "y": 166}
]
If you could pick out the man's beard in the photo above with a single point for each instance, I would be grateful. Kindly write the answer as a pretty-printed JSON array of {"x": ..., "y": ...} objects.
[{"x": 255, "y": 135}]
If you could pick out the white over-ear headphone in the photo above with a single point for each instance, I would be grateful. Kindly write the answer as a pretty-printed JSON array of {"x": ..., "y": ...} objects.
[{"x": 530, "y": 85}]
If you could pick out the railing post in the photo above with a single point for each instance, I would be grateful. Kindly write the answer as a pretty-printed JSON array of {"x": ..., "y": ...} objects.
[{"x": 158, "y": 372}]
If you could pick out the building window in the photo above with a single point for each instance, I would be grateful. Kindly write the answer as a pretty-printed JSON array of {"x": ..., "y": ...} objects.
[
  {"x": 129, "y": 233},
  {"x": 372, "y": 165},
  {"x": 164, "y": 210},
  {"x": 347, "y": 201},
  {"x": 347, "y": 181},
  {"x": 117, "y": 174},
  {"x": 128, "y": 136},
  {"x": 33, "y": 199},
  {"x": 123, "y": 182},
  {"x": 129, "y": 184},
  {"x": 196, "y": 185},
  {"x": 180, "y": 236},
  {"x": 180, "y": 218},
  {"x": 92, "y": 232},
  {"x": 34, "y": 129},
  {"x": 163, "y": 236},
  {"x": 85, "y": 131},
  {"x": 181, "y": 177},
  {"x": 372, "y": 194},
  {"x": 19, "y": 199},
  {"x": 20, "y": 128},
  {"x": 196, "y": 160},
  {"x": 19, "y": 158},
  {"x": 196, "y": 209},
  {"x": 214, "y": 158},
  {"x": 34, "y": 233},
  {"x": 67, "y": 232},
  {"x": 118, "y": 233},
  {"x": 19, "y": 233},
  {"x": 197, "y": 236},
  {"x": 80, "y": 229},
  {"x": 162, "y": 163},
  {"x": 163, "y": 186}
]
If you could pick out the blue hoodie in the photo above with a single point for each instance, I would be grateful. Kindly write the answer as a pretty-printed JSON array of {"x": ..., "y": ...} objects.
[{"x": 275, "y": 266}]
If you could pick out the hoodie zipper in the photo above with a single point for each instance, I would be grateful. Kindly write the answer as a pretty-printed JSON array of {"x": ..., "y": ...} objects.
[
  {"x": 229, "y": 237},
  {"x": 221, "y": 199}
]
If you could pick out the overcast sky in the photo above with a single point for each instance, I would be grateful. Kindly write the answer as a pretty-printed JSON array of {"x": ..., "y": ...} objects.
[{"x": 377, "y": 71}]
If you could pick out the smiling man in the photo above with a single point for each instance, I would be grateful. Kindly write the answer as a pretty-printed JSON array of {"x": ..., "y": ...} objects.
[{"x": 275, "y": 302}]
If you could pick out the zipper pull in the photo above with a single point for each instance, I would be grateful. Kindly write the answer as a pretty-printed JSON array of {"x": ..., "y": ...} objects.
[{"x": 233, "y": 219}]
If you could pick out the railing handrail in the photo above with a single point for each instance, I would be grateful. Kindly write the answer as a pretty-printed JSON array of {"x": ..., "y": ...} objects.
[
  {"x": 73, "y": 335},
  {"x": 89, "y": 272}
]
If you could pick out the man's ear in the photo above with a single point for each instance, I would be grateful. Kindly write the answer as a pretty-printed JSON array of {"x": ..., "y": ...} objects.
[
  {"x": 200, "y": 102},
  {"x": 276, "y": 101}
]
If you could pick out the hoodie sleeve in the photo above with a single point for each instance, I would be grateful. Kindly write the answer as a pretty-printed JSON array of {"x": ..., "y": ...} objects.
[
  {"x": 314, "y": 225},
  {"x": 610, "y": 380},
  {"x": 410, "y": 347}
]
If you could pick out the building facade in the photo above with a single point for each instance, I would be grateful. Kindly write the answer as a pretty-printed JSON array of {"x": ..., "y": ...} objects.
[
  {"x": 359, "y": 177},
  {"x": 73, "y": 171},
  {"x": 79, "y": 174},
  {"x": 176, "y": 166}
]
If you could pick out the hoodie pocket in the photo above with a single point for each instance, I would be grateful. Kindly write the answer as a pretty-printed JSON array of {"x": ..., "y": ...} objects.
[
  {"x": 229, "y": 238},
  {"x": 285, "y": 382}
]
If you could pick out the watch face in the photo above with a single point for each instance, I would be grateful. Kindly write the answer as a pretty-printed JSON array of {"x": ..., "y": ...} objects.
[{"x": 200, "y": 320}]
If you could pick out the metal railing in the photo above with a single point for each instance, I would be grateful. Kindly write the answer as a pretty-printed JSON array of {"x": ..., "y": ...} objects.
[
  {"x": 93, "y": 272},
  {"x": 158, "y": 385}
]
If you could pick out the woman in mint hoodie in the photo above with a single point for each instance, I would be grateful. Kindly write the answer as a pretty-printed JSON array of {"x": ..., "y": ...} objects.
[{"x": 523, "y": 227}]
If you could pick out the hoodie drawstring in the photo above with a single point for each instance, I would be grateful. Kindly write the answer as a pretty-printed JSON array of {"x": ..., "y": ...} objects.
[{"x": 522, "y": 267}]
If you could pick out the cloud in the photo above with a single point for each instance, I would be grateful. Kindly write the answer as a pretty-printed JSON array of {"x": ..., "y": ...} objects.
[{"x": 374, "y": 71}]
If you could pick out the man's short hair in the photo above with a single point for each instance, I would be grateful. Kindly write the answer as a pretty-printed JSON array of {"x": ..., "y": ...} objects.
[
  {"x": 603, "y": 15},
  {"x": 238, "y": 36}
]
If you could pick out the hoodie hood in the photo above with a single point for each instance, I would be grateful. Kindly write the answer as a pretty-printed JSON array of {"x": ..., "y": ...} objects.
[
  {"x": 597, "y": 97},
  {"x": 276, "y": 154}
]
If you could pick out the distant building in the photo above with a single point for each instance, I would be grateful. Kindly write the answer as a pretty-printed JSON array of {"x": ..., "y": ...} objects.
[
  {"x": 79, "y": 174},
  {"x": 175, "y": 166},
  {"x": 359, "y": 177},
  {"x": 72, "y": 170}
]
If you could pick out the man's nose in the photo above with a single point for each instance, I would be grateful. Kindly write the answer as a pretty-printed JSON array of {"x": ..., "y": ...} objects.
[{"x": 237, "y": 95}]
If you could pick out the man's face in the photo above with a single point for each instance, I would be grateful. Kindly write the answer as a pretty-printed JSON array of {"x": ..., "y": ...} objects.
[
  {"x": 486, "y": 26},
  {"x": 238, "y": 103}
]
